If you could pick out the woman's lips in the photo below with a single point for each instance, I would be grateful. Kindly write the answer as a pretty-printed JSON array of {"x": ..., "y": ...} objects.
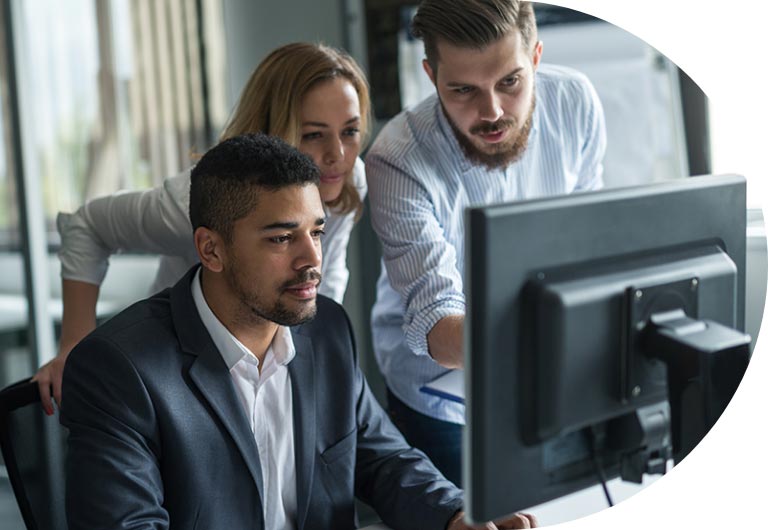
[{"x": 331, "y": 178}]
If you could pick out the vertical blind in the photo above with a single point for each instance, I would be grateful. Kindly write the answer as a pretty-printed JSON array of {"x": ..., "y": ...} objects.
[{"x": 116, "y": 94}]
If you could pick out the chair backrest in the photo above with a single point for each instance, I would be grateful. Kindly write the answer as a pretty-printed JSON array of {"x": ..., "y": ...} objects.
[{"x": 32, "y": 446}]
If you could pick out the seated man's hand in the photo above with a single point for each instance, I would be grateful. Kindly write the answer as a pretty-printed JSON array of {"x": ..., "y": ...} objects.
[{"x": 518, "y": 520}]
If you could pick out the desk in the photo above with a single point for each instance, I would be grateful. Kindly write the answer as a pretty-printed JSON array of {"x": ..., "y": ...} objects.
[
  {"x": 587, "y": 502},
  {"x": 576, "y": 505},
  {"x": 13, "y": 311}
]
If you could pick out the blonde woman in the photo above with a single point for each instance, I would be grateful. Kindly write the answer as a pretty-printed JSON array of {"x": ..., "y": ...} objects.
[{"x": 314, "y": 97}]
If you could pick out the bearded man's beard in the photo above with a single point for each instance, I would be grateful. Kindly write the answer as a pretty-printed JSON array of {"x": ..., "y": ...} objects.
[{"x": 495, "y": 156}]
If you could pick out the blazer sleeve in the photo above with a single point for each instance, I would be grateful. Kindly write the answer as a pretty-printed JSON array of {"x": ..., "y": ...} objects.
[
  {"x": 400, "y": 482},
  {"x": 154, "y": 220},
  {"x": 112, "y": 474}
]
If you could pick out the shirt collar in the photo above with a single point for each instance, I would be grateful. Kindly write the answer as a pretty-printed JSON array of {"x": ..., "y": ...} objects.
[{"x": 230, "y": 348}]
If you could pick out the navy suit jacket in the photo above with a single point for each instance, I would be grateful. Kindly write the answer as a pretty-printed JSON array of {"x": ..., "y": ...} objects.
[{"x": 158, "y": 437}]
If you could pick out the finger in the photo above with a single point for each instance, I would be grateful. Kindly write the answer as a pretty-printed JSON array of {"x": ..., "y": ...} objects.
[
  {"x": 44, "y": 387},
  {"x": 57, "y": 389},
  {"x": 521, "y": 521},
  {"x": 532, "y": 520},
  {"x": 515, "y": 522}
]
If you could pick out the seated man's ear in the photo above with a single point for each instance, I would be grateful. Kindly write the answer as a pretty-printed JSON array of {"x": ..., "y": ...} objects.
[{"x": 210, "y": 248}]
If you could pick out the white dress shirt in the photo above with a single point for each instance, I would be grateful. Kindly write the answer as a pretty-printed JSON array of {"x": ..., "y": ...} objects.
[{"x": 268, "y": 404}]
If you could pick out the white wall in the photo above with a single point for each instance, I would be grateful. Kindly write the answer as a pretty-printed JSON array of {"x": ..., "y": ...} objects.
[{"x": 255, "y": 27}]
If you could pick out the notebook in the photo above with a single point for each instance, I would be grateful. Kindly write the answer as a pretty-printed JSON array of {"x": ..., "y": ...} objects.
[{"x": 448, "y": 386}]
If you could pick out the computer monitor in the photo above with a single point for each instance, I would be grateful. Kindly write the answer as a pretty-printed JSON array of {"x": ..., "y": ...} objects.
[{"x": 604, "y": 335}]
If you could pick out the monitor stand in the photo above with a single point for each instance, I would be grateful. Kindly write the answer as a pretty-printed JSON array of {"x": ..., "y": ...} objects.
[{"x": 705, "y": 364}]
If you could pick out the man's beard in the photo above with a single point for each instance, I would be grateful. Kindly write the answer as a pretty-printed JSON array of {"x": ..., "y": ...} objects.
[
  {"x": 279, "y": 313},
  {"x": 499, "y": 155}
]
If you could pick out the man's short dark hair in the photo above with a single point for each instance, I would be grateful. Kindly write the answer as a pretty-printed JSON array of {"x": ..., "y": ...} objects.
[
  {"x": 472, "y": 24},
  {"x": 225, "y": 183}
]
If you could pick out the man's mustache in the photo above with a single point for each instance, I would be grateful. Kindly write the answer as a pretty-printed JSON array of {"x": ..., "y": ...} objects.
[
  {"x": 489, "y": 128},
  {"x": 307, "y": 275}
]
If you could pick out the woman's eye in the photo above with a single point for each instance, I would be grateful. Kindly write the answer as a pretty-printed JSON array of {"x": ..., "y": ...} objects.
[
  {"x": 310, "y": 136},
  {"x": 352, "y": 131}
]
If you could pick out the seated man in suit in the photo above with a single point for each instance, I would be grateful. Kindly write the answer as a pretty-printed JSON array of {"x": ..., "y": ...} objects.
[{"x": 234, "y": 400}]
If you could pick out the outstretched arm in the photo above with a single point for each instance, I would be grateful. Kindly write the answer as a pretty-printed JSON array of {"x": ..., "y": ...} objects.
[
  {"x": 79, "y": 319},
  {"x": 153, "y": 220},
  {"x": 420, "y": 261}
]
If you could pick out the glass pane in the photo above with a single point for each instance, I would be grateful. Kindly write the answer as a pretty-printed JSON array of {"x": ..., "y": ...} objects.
[
  {"x": 8, "y": 211},
  {"x": 113, "y": 95},
  {"x": 113, "y": 99},
  {"x": 15, "y": 356},
  {"x": 57, "y": 54},
  {"x": 15, "y": 362},
  {"x": 729, "y": 153}
]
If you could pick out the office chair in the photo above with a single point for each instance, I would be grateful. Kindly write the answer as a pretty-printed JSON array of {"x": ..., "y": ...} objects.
[{"x": 32, "y": 448}]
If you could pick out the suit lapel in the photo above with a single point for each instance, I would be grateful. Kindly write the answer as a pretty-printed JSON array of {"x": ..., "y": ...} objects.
[
  {"x": 302, "y": 372},
  {"x": 209, "y": 374},
  {"x": 213, "y": 381}
]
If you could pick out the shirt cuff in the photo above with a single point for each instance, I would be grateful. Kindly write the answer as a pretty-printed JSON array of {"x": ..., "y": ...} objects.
[{"x": 423, "y": 322}]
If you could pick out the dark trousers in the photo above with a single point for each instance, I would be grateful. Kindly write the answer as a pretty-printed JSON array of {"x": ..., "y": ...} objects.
[{"x": 440, "y": 440}]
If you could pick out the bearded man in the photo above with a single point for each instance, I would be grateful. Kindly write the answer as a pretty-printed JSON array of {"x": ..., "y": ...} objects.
[{"x": 501, "y": 127}]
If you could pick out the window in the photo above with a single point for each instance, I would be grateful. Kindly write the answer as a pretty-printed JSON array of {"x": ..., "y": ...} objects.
[
  {"x": 732, "y": 150},
  {"x": 113, "y": 95}
]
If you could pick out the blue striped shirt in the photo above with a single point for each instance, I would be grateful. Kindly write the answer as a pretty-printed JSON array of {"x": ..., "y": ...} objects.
[{"x": 420, "y": 182}]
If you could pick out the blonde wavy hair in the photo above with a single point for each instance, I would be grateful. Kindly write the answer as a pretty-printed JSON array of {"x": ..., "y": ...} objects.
[{"x": 271, "y": 100}]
